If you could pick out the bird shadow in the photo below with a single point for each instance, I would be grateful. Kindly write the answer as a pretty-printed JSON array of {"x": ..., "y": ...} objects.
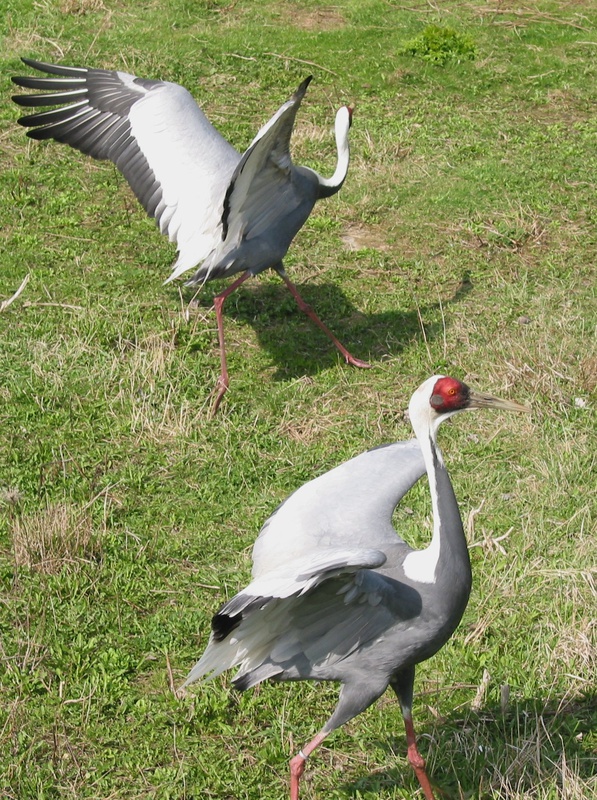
[
  {"x": 487, "y": 752},
  {"x": 298, "y": 347}
]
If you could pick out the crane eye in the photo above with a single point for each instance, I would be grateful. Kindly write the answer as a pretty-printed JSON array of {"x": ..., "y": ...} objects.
[{"x": 452, "y": 391}]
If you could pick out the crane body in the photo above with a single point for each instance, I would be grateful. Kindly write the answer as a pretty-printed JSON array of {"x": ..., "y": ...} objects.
[
  {"x": 227, "y": 213},
  {"x": 337, "y": 595}
]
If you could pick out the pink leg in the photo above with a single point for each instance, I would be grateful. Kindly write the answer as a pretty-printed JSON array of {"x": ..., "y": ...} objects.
[
  {"x": 350, "y": 359},
  {"x": 297, "y": 764},
  {"x": 222, "y": 384},
  {"x": 416, "y": 759}
]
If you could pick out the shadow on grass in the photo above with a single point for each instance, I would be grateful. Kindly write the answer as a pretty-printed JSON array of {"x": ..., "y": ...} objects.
[
  {"x": 298, "y": 347},
  {"x": 493, "y": 754}
]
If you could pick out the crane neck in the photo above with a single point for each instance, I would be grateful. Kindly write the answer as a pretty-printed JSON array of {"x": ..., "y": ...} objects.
[
  {"x": 446, "y": 557},
  {"x": 329, "y": 186}
]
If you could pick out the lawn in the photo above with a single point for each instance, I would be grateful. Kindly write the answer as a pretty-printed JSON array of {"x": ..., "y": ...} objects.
[{"x": 463, "y": 242}]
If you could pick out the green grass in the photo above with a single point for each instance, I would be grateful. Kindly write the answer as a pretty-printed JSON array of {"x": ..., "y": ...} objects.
[{"x": 463, "y": 241}]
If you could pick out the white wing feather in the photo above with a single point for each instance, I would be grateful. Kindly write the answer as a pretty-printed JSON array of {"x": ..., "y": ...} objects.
[
  {"x": 192, "y": 162},
  {"x": 251, "y": 642}
]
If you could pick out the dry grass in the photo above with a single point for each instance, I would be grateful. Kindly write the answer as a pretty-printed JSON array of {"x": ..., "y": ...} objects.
[
  {"x": 520, "y": 227},
  {"x": 363, "y": 237},
  {"x": 60, "y": 537},
  {"x": 163, "y": 418},
  {"x": 148, "y": 359},
  {"x": 141, "y": 368},
  {"x": 512, "y": 14},
  {"x": 79, "y": 7},
  {"x": 563, "y": 781},
  {"x": 530, "y": 772},
  {"x": 325, "y": 18}
]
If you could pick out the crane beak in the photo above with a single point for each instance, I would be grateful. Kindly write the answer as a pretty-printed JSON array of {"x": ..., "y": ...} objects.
[{"x": 484, "y": 400}]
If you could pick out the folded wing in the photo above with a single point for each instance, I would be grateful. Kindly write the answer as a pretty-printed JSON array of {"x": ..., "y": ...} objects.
[{"x": 304, "y": 625}]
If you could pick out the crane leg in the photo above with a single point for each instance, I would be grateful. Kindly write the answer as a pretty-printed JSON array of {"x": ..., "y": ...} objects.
[
  {"x": 219, "y": 299},
  {"x": 297, "y": 764},
  {"x": 402, "y": 684},
  {"x": 306, "y": 308},
  {"x": 415, "y": 759}
]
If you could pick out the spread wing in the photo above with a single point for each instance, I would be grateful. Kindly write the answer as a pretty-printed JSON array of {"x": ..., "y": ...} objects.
[
  {"x": 175, "y": 161},
  {"x": 352, "y": 503},
  {"x": 264, "y": 171},
  {"x": 266, "y": 194}
]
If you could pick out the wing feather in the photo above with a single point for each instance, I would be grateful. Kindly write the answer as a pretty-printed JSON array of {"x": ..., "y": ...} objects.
[
  {"x": 263, "y": 167},
  {"x": 176, "y": 162},
  {"x": 266, "y": 197},
  {"x": 353, "y": 502},
  {"x": 246, "y": 627},
  {"x": 307, "y": 634}
]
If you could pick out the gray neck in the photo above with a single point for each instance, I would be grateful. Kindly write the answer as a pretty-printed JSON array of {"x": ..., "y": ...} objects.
[{"x": 453, "y": 567}]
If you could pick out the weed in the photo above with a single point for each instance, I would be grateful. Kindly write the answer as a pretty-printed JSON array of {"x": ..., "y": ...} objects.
[{"x": 438, "y": 45}]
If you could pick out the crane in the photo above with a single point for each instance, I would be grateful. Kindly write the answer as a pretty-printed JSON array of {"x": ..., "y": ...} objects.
[
  {"x": 225, "y": 211},
  {"x": 337, "y": 595}
]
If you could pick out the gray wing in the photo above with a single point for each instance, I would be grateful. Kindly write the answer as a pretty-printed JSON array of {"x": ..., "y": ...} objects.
[
  {"x": 245, "y": 628},
  {"x": 175, "y": 161},
  {"x": 264, "y": 171},
  {"x": 267, "y": 197},
  {"x": 352, "y": 503},
  {"x": 341, "y": 617},
  {"x": 307, "y": 634}
]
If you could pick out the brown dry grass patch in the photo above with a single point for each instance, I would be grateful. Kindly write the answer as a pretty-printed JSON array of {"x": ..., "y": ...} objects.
[
  {"x": 60, "y": 537},
  {"x": 149, "y": 359},
  {"x": 156, "y": 409},
  {"x": 80, "y": 7},
  {"x": 357, "y": 236},
  {"x": 326, "y": 18}
]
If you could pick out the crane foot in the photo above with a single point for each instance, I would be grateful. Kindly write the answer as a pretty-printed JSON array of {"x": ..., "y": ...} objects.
[
  {"x": 220, "y": 390},
  {"x": 356, "y": 362}
]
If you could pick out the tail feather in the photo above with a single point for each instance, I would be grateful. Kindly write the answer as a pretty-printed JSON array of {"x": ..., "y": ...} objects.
[
  {"x": 218, "y": 657},
  {"x": 241, "y": 641},
  {"x": 246, "y": 680}
]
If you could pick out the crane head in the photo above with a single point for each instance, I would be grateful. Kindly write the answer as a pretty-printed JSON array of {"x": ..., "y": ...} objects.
[{"x": 450, "y": 395}]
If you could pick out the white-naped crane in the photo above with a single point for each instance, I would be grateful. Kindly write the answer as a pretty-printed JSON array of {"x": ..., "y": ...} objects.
[
  {"x": 228, "y": 212},
  {"x": 337, "y": 595}
]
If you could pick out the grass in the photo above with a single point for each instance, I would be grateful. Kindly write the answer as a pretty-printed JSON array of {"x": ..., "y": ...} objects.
[{"x": 463, "y": 241}]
